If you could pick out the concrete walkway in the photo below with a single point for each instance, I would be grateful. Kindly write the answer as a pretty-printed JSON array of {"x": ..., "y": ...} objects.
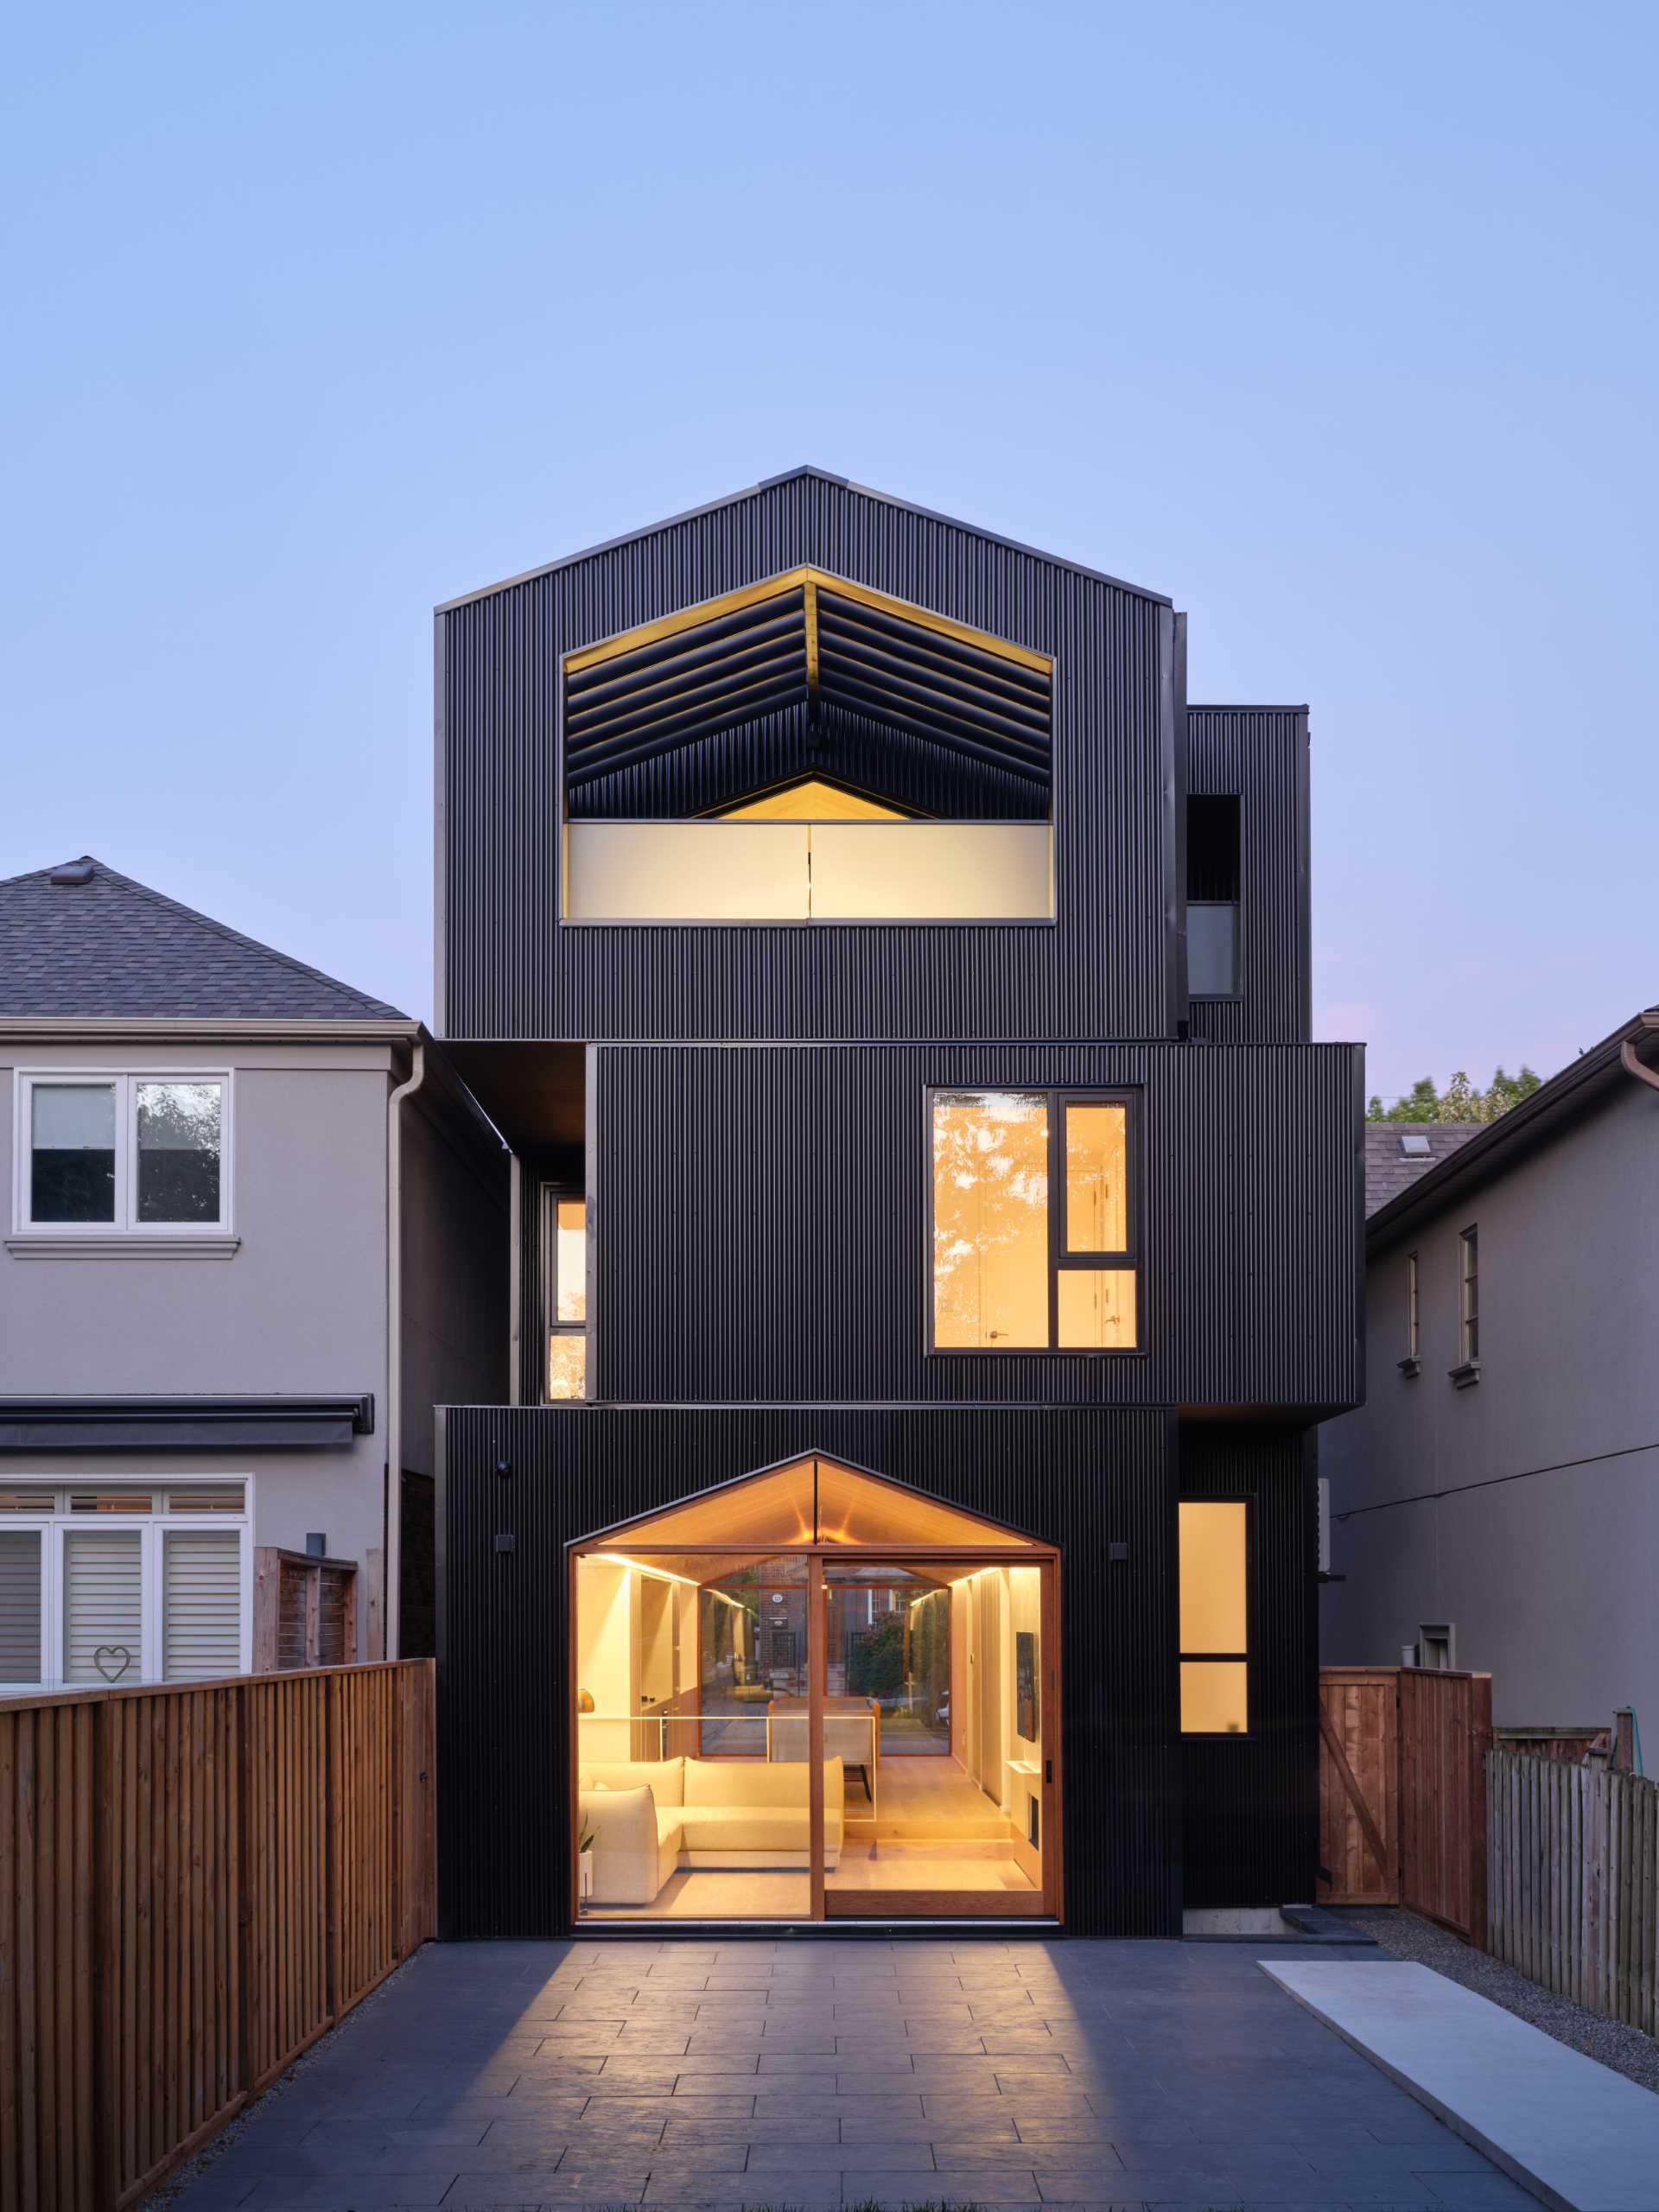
[
  {"x": 1581, "y": 2138},
  {"x": 816, "y": 2074}
]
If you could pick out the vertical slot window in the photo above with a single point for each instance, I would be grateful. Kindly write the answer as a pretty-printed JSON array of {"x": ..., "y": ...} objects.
[
  {"x": 1413, "y": 1342},
  {"x": 564, "y": 1292},
  {"x": 1215, "y": 1617},
  {"x": 1212, "y": 897},
  {"x": 1469, "y": 1296}
]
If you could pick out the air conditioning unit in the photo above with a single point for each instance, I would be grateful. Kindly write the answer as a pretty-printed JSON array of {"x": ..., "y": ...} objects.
[{"x": 1323, "y": 1487}]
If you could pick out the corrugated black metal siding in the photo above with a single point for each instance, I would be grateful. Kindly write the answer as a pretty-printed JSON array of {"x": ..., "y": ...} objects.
[
  {"x": 761, "y": 1226},
  {"x": 507, "y": 968},
  {"x": 1259, "y": 755},
  {"x": 1077, "y": 1478},
  {"x": 1251, "y": 1803}
]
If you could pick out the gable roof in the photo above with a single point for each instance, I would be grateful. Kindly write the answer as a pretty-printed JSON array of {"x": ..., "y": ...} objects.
[
  {"x": 1398, "y": 1153},
  {"x": 95, "y": 945},
  {"x": 789, "y": 476},
  {"x": 1545, "y": 1114}
]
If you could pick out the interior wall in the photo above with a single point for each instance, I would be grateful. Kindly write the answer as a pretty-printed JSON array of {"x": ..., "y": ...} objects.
[{"x": 605, "y": 1660}]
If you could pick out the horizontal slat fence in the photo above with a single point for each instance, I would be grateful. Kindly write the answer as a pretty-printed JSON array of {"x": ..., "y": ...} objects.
[
  {"x": 195, "y": 1882},
  {"x": 1574, "y": 1891}
]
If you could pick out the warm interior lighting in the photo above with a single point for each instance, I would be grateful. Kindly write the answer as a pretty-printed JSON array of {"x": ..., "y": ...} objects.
[
  {"x": 1214, "y": 1615},
  {"x": 567, "y": 1367},
  {"x": 811, "y": 800},
  {"x": 1097, "y": 1179},
  {"x": 990, "y": 1219},
  {"x": 1215, "y": 1699},
  {"x": 570, "y": 1262},
  {"x": 1096, "y": 1309}
]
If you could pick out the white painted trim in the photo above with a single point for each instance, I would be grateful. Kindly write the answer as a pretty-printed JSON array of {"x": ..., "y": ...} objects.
[{"x": 98, "y": 1240}]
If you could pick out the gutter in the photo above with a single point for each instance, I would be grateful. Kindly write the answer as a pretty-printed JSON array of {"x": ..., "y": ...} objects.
[
  {"x": 1632, "y": 1065},
  {"x": 394, "y": 1478}
]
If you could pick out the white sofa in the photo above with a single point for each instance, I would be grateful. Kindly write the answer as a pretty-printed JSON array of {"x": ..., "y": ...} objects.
[{"x": 648, "y": 1817}]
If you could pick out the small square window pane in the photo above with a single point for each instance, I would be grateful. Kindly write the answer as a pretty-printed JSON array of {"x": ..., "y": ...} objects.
[
  {"x": 1097, "y": 1179},
  {"x": 567, "y": 1367},
  {"x": 1214, "y": 1697},
  {"x": 20, "y": 1604},
  {"x": 1096, "y": 1309},
  {"x": 572, "y": 1260},
  {"x": 71, "y": 1156},
  {"x": 179, "y": 1151}
]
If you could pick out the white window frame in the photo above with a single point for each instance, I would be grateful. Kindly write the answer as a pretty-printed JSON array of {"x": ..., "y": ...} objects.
[
  {"x": 152, "y": 1528},
  {"x": 126, "y": 1226}
]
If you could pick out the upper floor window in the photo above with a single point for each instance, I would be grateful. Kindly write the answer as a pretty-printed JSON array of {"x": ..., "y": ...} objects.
[
  {"x": 564, "y": 1291},
  {"x": 107, "y": 1580},
  {"x": 1015, "y": 1267},
  {"x": 1469, "y": 1295},
  {"x": 1212, "y": 881},
  {"x": 119, "y": 1154}
]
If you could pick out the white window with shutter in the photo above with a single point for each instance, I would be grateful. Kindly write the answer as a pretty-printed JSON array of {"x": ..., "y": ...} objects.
[{"x": 113, "y": 1580}]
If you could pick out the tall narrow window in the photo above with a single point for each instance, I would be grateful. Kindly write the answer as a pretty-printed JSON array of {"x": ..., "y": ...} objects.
[
  {"x": 1213, "y": 895},
  {"x": 564, "y": 1293},
  {"x": 1469, "y": 1295},
  {"x": 21, "y": 1555},
  {"x": 1215, "y": 1617},
  {"x": 1013, "y": 1270},
  {"x": 103, "y": 1606},
  {"x": 1411, "y": 1306}
]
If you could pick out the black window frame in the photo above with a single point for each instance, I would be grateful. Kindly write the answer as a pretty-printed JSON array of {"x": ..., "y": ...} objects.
[
  {"x": 1413, "y": 1307},
  {"x": 1235, "y": 799},
  {"x": 1130, "y": 1260},
  {"x": 551, "y": 1193},
  {"x": 1252, "y": 1627}
]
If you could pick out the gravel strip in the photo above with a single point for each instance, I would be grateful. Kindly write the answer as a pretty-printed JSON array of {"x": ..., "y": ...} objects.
[
  {"x": 167, "y": 2191},
  {"x": 1407, "y": 1935}
]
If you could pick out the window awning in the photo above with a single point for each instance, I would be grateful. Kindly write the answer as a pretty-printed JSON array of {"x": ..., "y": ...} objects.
[
  {"x": 804, "y": 637},
  {"x": 65, "y": 1424}
]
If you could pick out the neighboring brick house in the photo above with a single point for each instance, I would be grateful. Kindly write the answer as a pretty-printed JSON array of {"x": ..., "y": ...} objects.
[{"x": 255, "y": 1228}]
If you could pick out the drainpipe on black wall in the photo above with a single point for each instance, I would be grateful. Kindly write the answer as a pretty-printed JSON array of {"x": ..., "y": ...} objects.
[{"x": 390, "y": 1604}]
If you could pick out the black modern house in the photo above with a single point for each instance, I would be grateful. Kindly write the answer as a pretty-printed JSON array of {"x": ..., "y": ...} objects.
[{"x": 936, "y": 1239}]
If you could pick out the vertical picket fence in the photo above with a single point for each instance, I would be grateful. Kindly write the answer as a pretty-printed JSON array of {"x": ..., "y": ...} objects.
[
  {"x": 1574, "y": 1883},
  {"x": 195, "y": 1882}
]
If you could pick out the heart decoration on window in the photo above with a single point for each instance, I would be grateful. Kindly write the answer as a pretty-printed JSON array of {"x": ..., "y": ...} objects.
[{"x": 111, "y": 1660}]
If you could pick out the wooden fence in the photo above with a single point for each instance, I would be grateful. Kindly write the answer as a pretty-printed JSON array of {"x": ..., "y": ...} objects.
[
  {"x": 196, "y": 1883},
  {"x": 1574, "y": 1898},
  {"x": 1402, "y": 1793}
]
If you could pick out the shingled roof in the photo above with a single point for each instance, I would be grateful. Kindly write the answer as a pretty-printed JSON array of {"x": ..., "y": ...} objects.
[
  {"x": 81, "y": 940},
  {"x": 1397, "y": 1153}
]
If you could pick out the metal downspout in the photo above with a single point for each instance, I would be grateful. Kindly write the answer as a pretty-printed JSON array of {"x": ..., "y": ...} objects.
[
  {"x": 1628, "y": 1059},
  {"x": 390, "y": 1602}
]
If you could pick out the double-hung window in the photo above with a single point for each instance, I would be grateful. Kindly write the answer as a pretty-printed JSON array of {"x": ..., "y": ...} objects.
[
  {"x": 122, "y": 1156},
  {"x": 1035, "y": 1245},
  {"x": 107, "y": 1580}
]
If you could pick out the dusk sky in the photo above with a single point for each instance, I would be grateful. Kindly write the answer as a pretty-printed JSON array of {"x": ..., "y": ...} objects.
[{"x": 1338, "y": 325}]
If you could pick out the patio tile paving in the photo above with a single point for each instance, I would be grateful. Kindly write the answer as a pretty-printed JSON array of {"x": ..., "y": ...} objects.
[{"x": 669, "y": 2076}]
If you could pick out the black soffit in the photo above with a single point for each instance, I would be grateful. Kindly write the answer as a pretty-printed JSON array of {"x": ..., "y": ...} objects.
[{"x": 800, "y": 637}]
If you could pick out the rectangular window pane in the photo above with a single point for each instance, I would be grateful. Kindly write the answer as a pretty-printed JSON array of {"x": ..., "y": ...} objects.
[
  {"x": 1097, "y": 1179},
  {"x": 103, "y": 1608},
  {"x": 990, "y": 1220},
  {"x": 20, "y": 1604},
  {"x": 1215, "y": 1697},
  {"x": 206, "y": 1497},
  {"x": 179, "y": 1151},
  {"x": 571, "y": 1277},
  {"x": 72, "y": 1157},
  {"x": 28, "y": 1501},
  {"x": 1212, "y": 952},
  {"x": 1096, "y": 1309},
  {"x": 201, "y": 1605},
  {"x": 567, "y": 1367},
  {"x": 110, "y": 1501},
  {"x": 1214, "y": 1615}
]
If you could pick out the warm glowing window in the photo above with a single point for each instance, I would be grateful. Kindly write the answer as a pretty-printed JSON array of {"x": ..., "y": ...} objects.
[
  {"x": 811, "y": 800},
  {"x": 564, "y": 1292},
  {"x": 1012, "y": 1270},
  {"x": 1215, "y": 1617}
]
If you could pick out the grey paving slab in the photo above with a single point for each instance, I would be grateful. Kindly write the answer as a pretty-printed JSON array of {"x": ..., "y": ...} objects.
[
  {"x": 1573, "y": 2134},
  {"x": 663, "y": 2075}
]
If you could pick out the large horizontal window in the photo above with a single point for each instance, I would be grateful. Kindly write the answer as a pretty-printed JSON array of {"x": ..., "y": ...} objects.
[
  {"x": 1034, "y": 1245},
  {"x": 1215, "y": 1617},
  {"x": 122, "y": 1154},
  {"x": 123, "y": 1582}
]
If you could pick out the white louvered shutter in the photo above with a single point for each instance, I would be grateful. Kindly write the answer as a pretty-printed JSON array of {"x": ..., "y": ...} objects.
[
  {"x": 20, "y": 1604},
  {"x": 201, "y": 1604},
  {"x": 102, "y": 1607}
]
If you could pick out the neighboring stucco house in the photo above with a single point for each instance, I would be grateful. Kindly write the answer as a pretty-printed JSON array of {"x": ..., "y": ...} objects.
[
  {"x": 1495, "y": 1500},
  {"x": 256, "y": 1227}
]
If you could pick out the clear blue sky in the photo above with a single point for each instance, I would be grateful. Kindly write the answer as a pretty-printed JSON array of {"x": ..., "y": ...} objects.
[{"x": 1336, "y": 324}]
